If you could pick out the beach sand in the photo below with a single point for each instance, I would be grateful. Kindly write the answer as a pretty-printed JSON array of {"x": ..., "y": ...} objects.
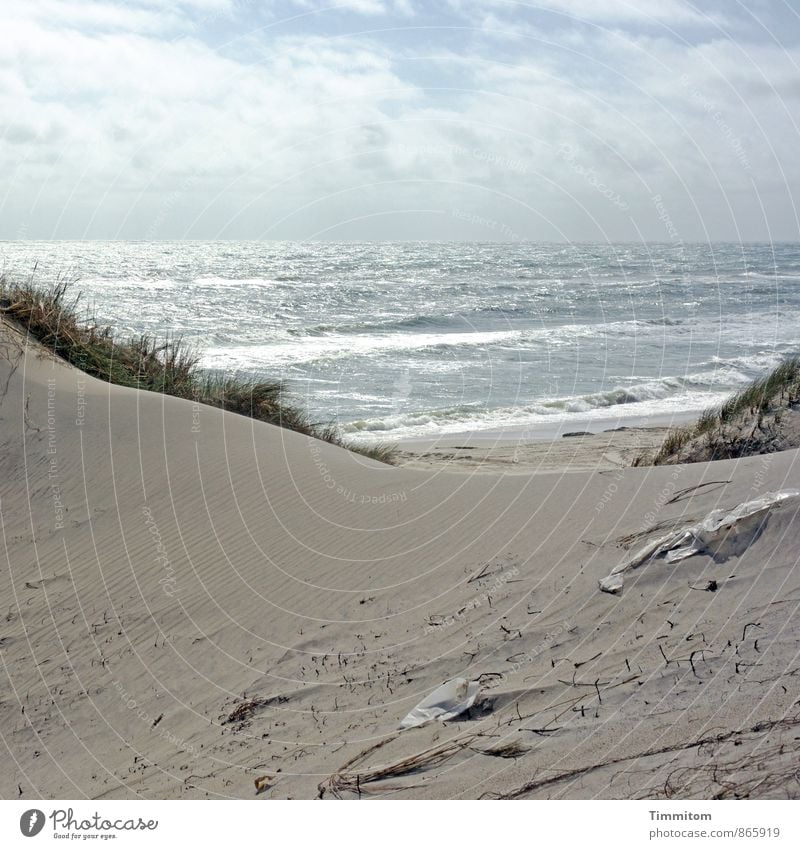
[
  {"x": 197, "y": 605},
  {"x": 578, "y": 451}
]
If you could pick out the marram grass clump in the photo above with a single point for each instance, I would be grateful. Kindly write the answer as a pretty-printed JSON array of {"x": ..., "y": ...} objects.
[
  {"x": 168, "y": 365},
  {"x": 759, "y": 419}
]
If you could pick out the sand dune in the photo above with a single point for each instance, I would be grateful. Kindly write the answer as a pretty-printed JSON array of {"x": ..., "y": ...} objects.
[{"x": 193, "y": 601}]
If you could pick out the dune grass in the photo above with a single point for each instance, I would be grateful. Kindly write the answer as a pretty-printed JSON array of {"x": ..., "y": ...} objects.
[
  {"x": 782, "y": 384},
  {"x": 170, "y": 366},
  {"x": 719, "y": 427}
]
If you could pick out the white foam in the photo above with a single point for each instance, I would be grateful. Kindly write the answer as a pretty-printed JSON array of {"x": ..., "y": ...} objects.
[{"x": 656, "y": 398}]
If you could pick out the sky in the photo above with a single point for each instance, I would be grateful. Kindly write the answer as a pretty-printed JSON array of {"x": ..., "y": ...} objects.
[{"x": 475, "y": 120}]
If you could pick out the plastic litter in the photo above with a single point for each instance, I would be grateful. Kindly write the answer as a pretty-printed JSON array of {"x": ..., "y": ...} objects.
[
  {"x": 722, "y": 534},
  {"x": 450, "y": 699}
]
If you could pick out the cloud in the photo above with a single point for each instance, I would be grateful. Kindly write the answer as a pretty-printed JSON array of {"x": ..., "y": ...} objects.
[
  {"x": 649, "y": 12},
  {"x": 125, "y": 121},
  {"x": 142, "y": 16},
  {"x": 641, "y": 11},
  {"x": 370, "y": 8}
]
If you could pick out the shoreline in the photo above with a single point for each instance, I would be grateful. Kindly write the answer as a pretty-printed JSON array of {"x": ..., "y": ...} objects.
[
  {"x": 565, "y": 446},
  {"x": 583, "y": 452},
  {"x": 545, "y": 428}
]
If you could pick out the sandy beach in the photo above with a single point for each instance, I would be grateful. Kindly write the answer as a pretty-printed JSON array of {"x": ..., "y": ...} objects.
[
  {"x": 574, "y": 451},
  {"x": 198, "y": 605}
]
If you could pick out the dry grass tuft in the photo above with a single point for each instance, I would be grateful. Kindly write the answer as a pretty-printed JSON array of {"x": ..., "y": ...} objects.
[
  {"x": 349, "y": 779},
  {"x": 507, "y": 750},
  {"x": 168, "y": 366},
  {"x": 748, "y": 423}
]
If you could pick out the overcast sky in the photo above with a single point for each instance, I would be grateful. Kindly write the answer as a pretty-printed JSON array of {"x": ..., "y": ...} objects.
[{"x": 483, "y": 120}]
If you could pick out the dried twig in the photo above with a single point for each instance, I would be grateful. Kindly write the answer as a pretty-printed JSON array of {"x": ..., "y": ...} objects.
[
  {"x": 682, "y": 493},
  {"x": 347, "y": 780},
  {"x": 530, "y": 786}
]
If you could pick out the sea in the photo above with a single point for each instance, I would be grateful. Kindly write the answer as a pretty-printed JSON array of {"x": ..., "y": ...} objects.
[{"x": 406, "y": 340}]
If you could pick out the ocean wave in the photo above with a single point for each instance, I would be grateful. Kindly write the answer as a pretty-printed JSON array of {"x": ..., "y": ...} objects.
[
  {"x": 217, "y": 282},
  {"x": 444, "y": 320},
  {"x": 649, "y": 390},
  {"x": 771, "y": 275},
  {"x": 309, "y": 349},
  {"x": 324, "y": 345},
  {"x": 658, "y": 396},
  {"x": 665, "y": 321},
  {"x": 131, "y": 282},
  {"x": 415, "y": 322},
  {"x": 754, "y": 364}
]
